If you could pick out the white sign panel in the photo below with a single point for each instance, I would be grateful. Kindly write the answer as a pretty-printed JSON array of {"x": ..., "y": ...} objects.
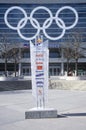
[{"x": 39, "y": 68}]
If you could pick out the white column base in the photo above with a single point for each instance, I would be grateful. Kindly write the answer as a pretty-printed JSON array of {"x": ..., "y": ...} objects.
[{"x": 36, "y": 113}]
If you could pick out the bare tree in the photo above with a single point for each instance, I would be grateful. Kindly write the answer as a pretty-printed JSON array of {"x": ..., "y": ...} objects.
[
  {"x": 67, "y": 52},
  {"x": 9, "y": 51},
  {"x": 73, "y": 49},
  {"x": 5, "y": 47},
  {"x": 14, "y": 56},
  {"x": 77, "y": 48}
]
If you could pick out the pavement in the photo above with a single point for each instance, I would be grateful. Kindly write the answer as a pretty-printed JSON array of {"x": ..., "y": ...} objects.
[{"x": 70, "y": 104}]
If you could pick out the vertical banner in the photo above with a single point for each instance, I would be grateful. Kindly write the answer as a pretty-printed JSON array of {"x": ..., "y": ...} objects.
[{"x": 39, "y": 68}]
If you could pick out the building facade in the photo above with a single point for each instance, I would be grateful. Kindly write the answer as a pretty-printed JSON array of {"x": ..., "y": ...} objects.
[{"x": 57, "y": 62}]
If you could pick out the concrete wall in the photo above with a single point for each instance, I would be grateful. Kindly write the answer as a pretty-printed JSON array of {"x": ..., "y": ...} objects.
[
  {"x": 15, "y": 85},
  {"x": 54, "y": 83},
  {"x": 67, "y": 84}
]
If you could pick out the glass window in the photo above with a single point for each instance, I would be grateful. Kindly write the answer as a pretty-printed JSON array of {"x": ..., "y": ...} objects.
[{"x": 26, "y": 55}]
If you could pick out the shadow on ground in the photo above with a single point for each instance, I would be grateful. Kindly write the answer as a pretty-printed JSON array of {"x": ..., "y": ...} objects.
[{"x": 71, "y": 115}]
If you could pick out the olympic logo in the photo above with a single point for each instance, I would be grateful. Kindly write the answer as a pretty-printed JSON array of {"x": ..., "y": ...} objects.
[{"x": 47, "y": 23}]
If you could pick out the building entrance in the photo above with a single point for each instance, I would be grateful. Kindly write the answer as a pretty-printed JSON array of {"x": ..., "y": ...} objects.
[
  {"x": 26, "y": 71},
  {"x": 54, "y": 70}
]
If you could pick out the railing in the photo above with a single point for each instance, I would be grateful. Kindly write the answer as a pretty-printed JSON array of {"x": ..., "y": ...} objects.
[
  {"x": 9, "y": 73},
  {"x": 12, "y": 74}
]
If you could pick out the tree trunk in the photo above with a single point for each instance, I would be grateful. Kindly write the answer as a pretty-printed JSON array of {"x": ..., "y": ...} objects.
[
  {"x": 67, "y": 66},
  {"x": 76, "y": 67},
  {"x": 5, "y": 65},
  {"x": 15, "y": 67}
]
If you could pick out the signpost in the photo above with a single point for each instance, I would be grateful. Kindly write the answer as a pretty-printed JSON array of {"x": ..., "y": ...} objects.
[{"x": 39, "y": 67}]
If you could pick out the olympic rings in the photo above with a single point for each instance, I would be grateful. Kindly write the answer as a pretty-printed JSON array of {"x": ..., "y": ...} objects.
[
  {"x": 55, "y": 38},
  {"x": 25, "y": 38},
  {"x": 75, "y": 13},
  {"x": 6, "y": 15},
  {"x": 47, "y": 23},
  {"x": 46, "y": 9}
]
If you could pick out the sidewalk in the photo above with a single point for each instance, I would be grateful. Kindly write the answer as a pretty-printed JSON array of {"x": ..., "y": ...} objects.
[{"x": 71, "y": 106}]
